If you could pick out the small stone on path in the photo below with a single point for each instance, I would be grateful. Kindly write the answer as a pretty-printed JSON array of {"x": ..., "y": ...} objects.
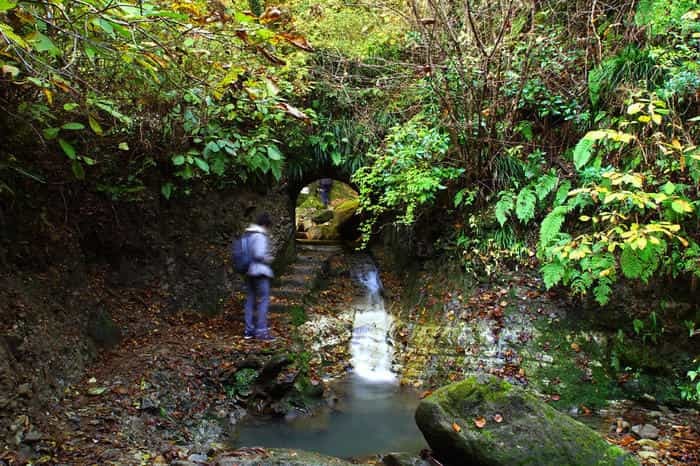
[{"x": 646, "y": 431}]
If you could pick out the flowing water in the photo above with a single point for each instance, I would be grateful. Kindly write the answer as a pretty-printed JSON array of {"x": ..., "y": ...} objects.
[
  {"x": 373, "y": 413},
  {"x": 371, "y": 347}
]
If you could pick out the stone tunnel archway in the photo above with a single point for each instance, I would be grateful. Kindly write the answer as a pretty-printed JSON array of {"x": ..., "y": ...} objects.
[{"x": 321, "y": 167}]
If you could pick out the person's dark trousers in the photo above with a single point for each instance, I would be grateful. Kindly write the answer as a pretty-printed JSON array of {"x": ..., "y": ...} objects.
[{"x": 258, "y": 289}]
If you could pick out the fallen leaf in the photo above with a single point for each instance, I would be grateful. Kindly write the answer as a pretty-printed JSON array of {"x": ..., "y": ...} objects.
[
  {"x": 297, "y": 41},
  {"x": 575, "y": 346},
  {"x": 480, "y": 422},
  {"x": 425, "y": 394},
  {"x": 293, "y": 111}
]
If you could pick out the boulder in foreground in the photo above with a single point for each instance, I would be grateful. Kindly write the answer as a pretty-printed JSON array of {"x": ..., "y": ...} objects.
[{"x": 484, "y": 421}]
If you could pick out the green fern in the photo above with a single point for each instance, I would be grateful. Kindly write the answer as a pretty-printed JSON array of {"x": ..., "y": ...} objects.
[
  {"x": 640, "y": 263},
  {"x": 525, "y": 205},
  {"x": 602, "y": 292},
  {"x": 583, "y": 152},
  {"x": 630, "y": 263},
  {"x": 562, "y": 193},
  {"x": 552, "y": 273},
  {"x": 546, "y": 185},
  {"x": 504, "y": 207},
  {"x": 551, "y": 225}
]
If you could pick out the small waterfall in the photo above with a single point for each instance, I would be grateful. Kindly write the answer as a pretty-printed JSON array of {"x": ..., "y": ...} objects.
[{"x": 370, "y": 347}]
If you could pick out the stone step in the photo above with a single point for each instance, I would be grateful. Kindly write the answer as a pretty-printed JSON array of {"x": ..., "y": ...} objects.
[
  {"x": 313, "y": 259},
  {"x": 278, "y": 308},
  {"x": 324, "y": 249},
  {"x": 303, "y": 269},
  {"x": 289, "y": 293},
  {"x": 316, "y": 242},
  {"x": 297, "y": 281}
]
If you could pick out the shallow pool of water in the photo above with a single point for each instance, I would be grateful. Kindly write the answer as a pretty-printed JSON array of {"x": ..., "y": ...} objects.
[{"x": 369, "y": 418}]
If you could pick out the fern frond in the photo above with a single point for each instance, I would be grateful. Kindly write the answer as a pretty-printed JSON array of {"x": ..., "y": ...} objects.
[
  {"x": 546, "y": 185},
  {"x": 552, "y": 273},
  {"x": 504, "y": 207},
  {"x": 583, "y": 152},
  {"x": 525, "y": 205},
  {"x": 551, "y": 225}
]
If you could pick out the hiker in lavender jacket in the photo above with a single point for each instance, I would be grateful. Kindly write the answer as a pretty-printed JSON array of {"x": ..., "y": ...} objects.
[{"x": 258, "y": 279}]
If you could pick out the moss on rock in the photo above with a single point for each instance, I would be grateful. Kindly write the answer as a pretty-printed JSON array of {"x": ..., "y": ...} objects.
[{"x": 531, "y": 433}]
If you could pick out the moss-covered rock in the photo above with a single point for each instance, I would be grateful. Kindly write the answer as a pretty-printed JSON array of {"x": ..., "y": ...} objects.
[
  {"x": 322, "y": 217},
  {"x": 344, "y": 211},
  {"x": 531, "y": 432}
]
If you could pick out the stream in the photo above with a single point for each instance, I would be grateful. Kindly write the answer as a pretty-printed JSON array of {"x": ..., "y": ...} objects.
[{"x": 373, "y": 413}]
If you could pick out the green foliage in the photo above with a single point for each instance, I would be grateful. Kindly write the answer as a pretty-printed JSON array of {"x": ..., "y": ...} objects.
[
  {"x": 634, "y": 224},
  {"x": 298, "y": 315},
  {"x": 122, "y": 88},
  {"x": 691, "y": 391},
  {"x": 550, "y": 228},
  {"x": 504, "y": 206},
  {"x": 659, "y": 15},
  {"x": 630, "y": 66},
  {"x": 404, "y": 175},
  {"x": 525, "y": 205},
  {"x": 649, "y": 329},
  {"x": 242, "y": 382}
]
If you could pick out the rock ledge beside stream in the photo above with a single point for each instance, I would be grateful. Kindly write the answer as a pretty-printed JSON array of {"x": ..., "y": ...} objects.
[
  {"x": 530, "y": 432},
  {"x": 279, "y": 457}
]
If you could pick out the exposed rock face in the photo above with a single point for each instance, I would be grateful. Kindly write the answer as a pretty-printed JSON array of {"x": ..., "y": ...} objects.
[
  {"x": 460, "y": 423},
  {"x": 61, "y": 278}
]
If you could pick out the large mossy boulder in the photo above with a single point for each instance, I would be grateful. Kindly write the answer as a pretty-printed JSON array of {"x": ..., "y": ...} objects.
[{"x": 530, "y": 432}]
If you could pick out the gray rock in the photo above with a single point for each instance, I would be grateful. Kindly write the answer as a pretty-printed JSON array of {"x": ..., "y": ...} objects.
[
  {"x": 102, "y": 329},
  {"x": 647, "y": 431},
  {"x": 33, "y": 436},
  {"x": 403, "y": 459},
  {"x": 197, "y": 458},
  {"x": 150, "y": 404},
  {"x": 531, "y": 432},
  {"x": 276, "y": 457},
  {"x": 24, "y": 390}
]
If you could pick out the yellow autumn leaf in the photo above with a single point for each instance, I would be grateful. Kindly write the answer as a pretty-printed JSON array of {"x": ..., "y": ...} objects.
[
  {"x": 635, "y": 108},
  {"x": 641, "y": 243},
  {"x": 49, "y": 96},
  {"x": 681, "y": 206}
]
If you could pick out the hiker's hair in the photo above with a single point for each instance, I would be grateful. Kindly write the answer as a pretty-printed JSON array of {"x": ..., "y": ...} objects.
[{"x": 264, "y": 220}]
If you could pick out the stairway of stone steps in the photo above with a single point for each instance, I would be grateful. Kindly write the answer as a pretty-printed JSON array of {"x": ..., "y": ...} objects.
[{"x": 300, "y": 276}]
